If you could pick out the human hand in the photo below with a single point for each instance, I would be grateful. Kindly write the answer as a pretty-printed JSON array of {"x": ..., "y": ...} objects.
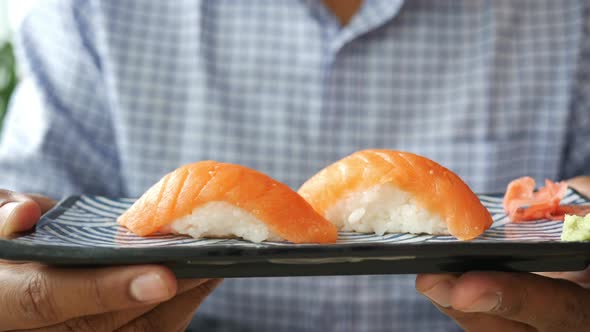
[
  {"x": 129, "y": 298},
  {"x": 498, "y": 301},
  {"x": 20, "y": 212}
]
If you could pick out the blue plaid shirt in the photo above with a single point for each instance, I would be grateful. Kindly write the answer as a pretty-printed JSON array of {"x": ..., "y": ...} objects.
[{"x": 117, "y": 93}]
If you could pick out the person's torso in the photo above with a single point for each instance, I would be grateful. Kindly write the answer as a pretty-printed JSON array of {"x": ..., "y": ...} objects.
[{"x": 482, "y": 87}]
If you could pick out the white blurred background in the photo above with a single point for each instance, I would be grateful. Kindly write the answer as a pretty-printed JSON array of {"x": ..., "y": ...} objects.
[{"x": 11, "y": 14}]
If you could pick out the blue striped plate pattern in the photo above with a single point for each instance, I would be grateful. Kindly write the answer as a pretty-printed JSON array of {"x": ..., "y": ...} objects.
[{"x": 90, "y": 221}]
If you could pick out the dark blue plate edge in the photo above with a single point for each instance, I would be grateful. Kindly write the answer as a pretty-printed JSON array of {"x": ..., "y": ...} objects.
[
  {"x": 514, "y": 250},
  {"x": 410, "y": 259}
]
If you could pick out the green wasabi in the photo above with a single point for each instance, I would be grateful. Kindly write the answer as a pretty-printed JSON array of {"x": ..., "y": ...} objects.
[{"x": 576, "y": 228}]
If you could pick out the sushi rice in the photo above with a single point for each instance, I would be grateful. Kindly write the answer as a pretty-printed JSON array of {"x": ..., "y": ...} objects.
[
  {"x": 384, "y": 209},
  {"x": 221, "y": 220}
]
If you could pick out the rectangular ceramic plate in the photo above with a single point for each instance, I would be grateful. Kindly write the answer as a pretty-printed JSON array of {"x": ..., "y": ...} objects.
[{"x": 81, "y": 231}]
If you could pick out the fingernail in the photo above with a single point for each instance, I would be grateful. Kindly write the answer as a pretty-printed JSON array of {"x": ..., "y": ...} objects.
[
  {"x": 441, "y": 293},
  {"x": 149, "y": 288},
  {"x": 485, "y": 303},
  {"x": 7, "y": 226}
]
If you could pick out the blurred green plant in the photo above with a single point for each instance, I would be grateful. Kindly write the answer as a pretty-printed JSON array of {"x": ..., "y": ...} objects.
[{"x": 7, "y": 76}]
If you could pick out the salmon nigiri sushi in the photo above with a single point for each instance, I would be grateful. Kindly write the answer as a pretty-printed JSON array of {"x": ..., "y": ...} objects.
[
  {"x": 384, "y": 191},
  {"x": 213, "y": 199}
]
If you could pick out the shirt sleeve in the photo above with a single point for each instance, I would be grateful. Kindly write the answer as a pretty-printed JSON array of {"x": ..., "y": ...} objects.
[{"x": 58, "y": 136}]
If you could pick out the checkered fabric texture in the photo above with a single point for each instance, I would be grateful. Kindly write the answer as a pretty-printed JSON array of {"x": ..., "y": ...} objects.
[{"x": 117, "y": 93}]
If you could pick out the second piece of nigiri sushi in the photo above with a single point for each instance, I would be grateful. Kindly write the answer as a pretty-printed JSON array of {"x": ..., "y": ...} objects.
[
  {"x": 212, "y": 199},
  {"x": 384, "y": 191}
]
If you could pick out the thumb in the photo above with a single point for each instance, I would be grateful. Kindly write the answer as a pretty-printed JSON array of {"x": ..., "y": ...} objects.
[
  {"x": 18, "y": 216},
  {"x": 34, "y": 295}
]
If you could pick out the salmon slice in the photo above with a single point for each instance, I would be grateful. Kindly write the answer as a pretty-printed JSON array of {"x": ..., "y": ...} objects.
[
  {"x": 402, "y": 178},
  {"x": 194, "y": 186},
  {"x": 522, "y": 203}
]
